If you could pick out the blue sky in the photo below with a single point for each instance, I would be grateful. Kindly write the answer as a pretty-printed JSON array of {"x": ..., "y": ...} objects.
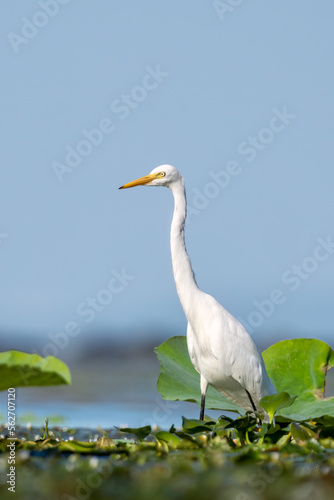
[{"x": 95, "y": 94}]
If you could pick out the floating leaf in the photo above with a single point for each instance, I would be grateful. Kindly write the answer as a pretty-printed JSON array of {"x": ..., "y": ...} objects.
[
  {"x": 299, "y": 432},
  {"x": 140, "y": 432},
  {"x": 276, "y": 402},
  {"x": 179, "y": 381},
  {"x": 167, "y": 437},
  {"x": 247, "y": 422},
  {"x": 22, "y": 369},
  {"x": 75, "y": 446},
  {"x": 193, "y": 426},
  {"x": 325, "y": 420},
  {"x": 222, "y": 422},
  {"x": 299, "y": 367}
]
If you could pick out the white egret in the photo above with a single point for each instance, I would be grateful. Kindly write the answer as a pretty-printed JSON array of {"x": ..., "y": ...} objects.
[{"x": 219, "y": 347}]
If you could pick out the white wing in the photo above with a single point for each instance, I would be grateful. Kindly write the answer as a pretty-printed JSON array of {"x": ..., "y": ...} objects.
[{"x": 224, "y": 353}]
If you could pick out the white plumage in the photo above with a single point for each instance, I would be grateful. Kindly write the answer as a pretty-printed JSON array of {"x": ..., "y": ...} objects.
[{"x": 219, "y": 347}]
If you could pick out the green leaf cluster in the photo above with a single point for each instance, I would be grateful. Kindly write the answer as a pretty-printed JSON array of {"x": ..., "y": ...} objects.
[
  {"x": 297, "y": 367},
  {"x": 202, "y": 459},
  {"x": 25, "y": 370}
]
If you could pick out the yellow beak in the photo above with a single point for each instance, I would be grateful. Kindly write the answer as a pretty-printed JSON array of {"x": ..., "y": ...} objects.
[{"x": 139, "y": 182}]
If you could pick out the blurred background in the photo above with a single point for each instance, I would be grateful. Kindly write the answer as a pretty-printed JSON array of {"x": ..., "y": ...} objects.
[{"x": 239, "y": 98}]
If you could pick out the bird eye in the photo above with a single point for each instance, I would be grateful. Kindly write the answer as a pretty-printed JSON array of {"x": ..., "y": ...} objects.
[{"x": 162, "y": 174}]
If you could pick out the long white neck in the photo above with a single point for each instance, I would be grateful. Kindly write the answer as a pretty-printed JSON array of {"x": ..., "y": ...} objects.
[{"x": 183, "y": 274}]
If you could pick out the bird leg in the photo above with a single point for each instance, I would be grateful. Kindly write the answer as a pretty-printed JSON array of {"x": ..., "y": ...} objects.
[
  {"x": 201, "y": 415},
  {"x": 204, "y": 386},
  {"x": 259, "y": 421},
  {"x": 251, "y": 401}
]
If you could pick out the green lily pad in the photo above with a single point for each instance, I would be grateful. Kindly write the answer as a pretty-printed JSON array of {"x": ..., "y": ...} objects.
[
  {"x": 300, "y": 432},
  {"x": 140, "y": 432},
  {"x": 167, "y": 437},
  {"x": 22, "y": 369},
  {"x": 193, "y": 426},
  {"x": 179, "y": 381},
  {"x": 77, "y": 446},
  {"x": 242, "y": 423},
  {"x": 276, "y": 402},
  {"x": 299, "y": 367}
]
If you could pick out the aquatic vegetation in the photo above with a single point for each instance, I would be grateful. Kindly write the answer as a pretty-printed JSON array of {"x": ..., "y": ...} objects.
[
  {"x": 22, "y": 369},
  {"x": 202, "y": 459},
  {"x": 297, "y": 367},
  {"x": 243, "y": 458}
]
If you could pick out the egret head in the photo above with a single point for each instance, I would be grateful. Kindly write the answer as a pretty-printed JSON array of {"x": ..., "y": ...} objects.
[{"x": 165, "y": 175}]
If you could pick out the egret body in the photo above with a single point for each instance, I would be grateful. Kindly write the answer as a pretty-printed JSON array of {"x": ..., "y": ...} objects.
[{"x": 221, "y": 350}]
